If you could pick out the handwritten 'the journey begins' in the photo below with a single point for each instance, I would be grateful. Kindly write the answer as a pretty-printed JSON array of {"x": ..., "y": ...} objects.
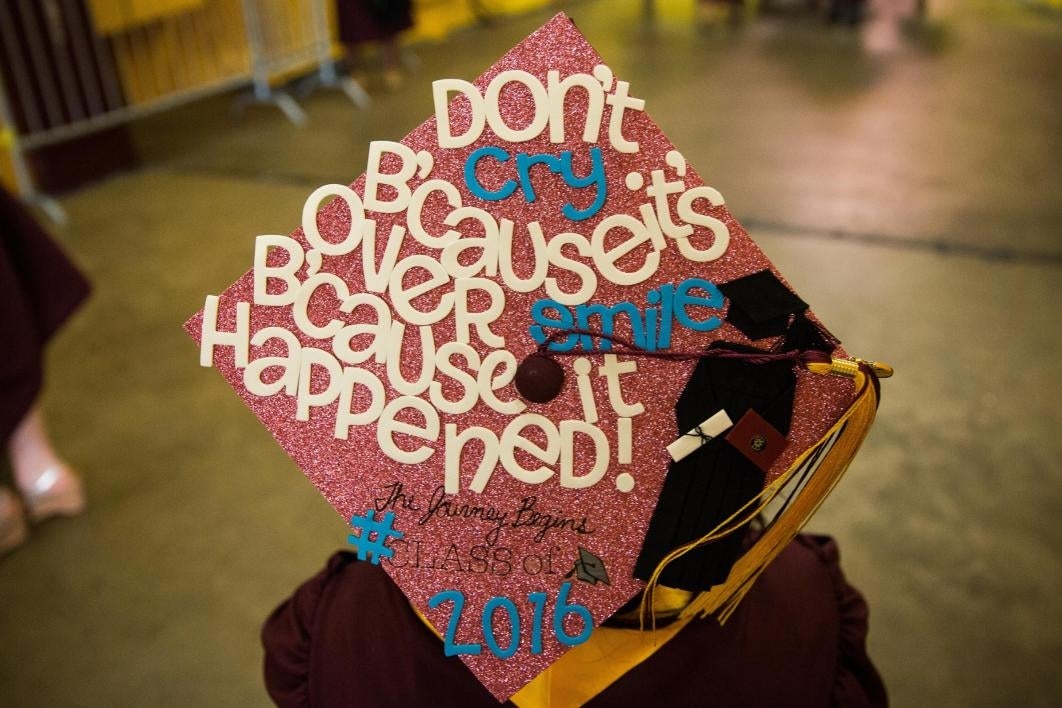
[{"x": 457, "y": 269}]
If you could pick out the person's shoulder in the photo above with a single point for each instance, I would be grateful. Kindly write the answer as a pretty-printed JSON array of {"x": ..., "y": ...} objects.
[
  {"x": 823, "y": 548},
  {"x": 354, "y": 588}
]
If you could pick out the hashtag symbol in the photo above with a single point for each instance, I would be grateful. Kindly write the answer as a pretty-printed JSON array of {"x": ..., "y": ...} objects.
[{"x": 373, "y": 535}]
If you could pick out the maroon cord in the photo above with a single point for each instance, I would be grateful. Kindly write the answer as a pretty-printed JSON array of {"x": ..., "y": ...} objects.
[{"x": 803, "y": 358}]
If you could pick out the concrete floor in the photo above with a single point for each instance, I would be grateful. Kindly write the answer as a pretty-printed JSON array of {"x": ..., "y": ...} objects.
[{"x": 907, "y": 182}]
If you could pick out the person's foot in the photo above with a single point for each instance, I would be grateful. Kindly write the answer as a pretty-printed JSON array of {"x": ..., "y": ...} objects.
[
  {"x": 12, "y": 522},
  {"x": 47, "y": 485},
  {"x": 55, "y": 491}
]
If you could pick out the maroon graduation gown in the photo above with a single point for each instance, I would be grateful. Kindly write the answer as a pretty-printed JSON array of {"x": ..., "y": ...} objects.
[
  {"x": 39, "y": 289},
  {"x": 347, "y": 637}
]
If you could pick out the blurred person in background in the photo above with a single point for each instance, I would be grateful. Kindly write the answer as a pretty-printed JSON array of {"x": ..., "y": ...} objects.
[
  {"x": 377, "y": 21},
  {"x": 846, "y": 12},
  {"x": 39, "y": 289}
]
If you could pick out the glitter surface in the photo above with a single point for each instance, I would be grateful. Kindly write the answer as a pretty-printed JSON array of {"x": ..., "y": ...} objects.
[{"x": 462, "y": 545}]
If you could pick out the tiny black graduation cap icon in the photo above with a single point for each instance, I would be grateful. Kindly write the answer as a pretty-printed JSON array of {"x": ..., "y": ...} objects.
[{"x": 589, "y": 568}]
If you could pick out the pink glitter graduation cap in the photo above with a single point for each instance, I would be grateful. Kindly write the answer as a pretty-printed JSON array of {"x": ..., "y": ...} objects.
[{"x": 541, "y": 216}]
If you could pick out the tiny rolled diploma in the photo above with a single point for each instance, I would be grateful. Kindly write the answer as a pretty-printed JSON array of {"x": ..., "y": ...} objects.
[{"x": 700, "y": 435}]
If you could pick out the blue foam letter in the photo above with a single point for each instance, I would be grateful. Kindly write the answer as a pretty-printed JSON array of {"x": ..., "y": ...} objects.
[{"x": 472, "y": 182}]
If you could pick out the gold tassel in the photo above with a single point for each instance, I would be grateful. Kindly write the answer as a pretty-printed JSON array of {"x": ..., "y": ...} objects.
[{"x": 847, "y": 435}]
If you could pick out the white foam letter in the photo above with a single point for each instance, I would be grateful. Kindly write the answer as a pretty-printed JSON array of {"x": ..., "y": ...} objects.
[
  {"x": 620, "y": 102},
  {"x": 537, "y": 252},
  {"x": 606, "y": 259},
  {"x": 263, "y": 272},
  {"x": 489, "y": 383},
  {"x": 416, "y": 206},
  {"x": 376, "y": 280},
  {"x": 379, "y": 330},
  {"x": 512, "y": 440},
  {"x": 210, "y": 336},
  {"x": 394, "y": 360},
  {"x": 402, "y": 298},
  {"x": 466, "y": 380},
  {"x": 481, "y": 319},
  {"x": 347, "y": 418},
  {"x": 611, "y": 370},
  {"x": 455, "y": 445},
  {"x": 440, "y": 91},
  {"x": 289, "y": 379},
  {"x": 306, "y": 398},
  {"x": 568, "y": 478},
  {"x": 719, "y": 230},
  {"x": 586, "y": 274},
  {"x": 595, "y": 104},
  {"x": 399, "y": 181},
  {"x": 586, "y": 391},
  {"x": 487, "y": 262},
  {"x": 357, "y": 220},
  {"x": 539, "y": 100},
  {"x": 299, "y": 309},
  {"x": 388, "y": 425}
]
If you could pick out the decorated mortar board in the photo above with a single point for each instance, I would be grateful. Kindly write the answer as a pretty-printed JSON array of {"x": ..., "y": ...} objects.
[{"x": 537, "y": 365}]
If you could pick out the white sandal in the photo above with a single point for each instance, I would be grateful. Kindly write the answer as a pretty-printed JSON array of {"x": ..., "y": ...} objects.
[{"x": 55, "y": 492}]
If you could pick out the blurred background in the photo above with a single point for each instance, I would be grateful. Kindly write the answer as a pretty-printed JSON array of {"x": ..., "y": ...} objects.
[{"x": 900, "y": 161}]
